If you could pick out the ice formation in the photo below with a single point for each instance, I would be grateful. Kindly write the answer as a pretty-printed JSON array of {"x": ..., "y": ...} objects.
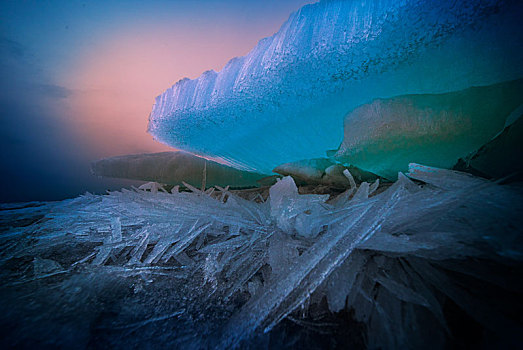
[
  {"x": 385, "y": 135},
  {"x": 212, "y": 270},
  {"x": 500, "y": 157},
  {"x": 285, "y": 100},
  {"x": 375, "y": 84},
  {"x": 324, "y": 172},
  {"x": 174, "y": 168}
]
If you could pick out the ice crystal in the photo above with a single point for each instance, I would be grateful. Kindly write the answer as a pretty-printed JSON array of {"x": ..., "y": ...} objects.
[{"x": 211, "y": 269}]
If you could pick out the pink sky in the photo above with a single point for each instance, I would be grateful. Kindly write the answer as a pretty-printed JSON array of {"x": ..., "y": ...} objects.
[
  {"x": 115, "y": 83},
  {"x": 80, "y": 79}
]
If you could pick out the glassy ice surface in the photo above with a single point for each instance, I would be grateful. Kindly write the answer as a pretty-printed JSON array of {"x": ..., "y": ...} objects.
[
  {"x": 286, "y": 100},
  {"x": 211, "y": 269}
]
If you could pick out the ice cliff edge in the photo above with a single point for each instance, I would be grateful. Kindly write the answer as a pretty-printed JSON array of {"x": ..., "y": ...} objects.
[{"x": 286, "y": 99}]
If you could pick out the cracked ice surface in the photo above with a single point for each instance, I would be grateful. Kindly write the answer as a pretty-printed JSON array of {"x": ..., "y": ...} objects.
[{"x": 210, "y": 269}]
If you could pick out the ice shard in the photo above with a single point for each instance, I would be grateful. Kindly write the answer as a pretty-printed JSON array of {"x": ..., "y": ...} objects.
[
  {"x": 286, "y": 99},
  {"x": 405, "y": 264},
  {"x": 213, "y": 270}
]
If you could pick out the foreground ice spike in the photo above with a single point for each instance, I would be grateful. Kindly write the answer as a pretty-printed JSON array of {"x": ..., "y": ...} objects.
[
  {"x": 295, "y": 87},
  {"x": 232, "y": 269},
  {"x": 296, "y": 212}
]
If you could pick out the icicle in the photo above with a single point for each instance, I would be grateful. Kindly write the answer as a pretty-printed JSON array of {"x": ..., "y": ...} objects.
[
  {"x": 158, "y": 250},
  {"x": 387, "y": 256},
  {"x": 139, "y": 249}
]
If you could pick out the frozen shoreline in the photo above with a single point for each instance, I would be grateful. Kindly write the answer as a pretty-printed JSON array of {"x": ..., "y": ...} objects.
[{"x": 191, "y": 270}]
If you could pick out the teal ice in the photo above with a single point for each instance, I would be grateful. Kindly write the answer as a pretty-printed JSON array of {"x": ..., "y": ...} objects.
[{"x": 291, "y": 97}]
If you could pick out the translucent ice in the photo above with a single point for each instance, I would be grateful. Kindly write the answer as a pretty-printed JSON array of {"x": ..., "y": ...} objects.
[
  {"x": 173, "y": 168},
  {"x": 213, "y": 270},
  {"x": 500, "y": 156},
  {"x": 310, "y": 170},
  {"x": 436, "y": 129},
  {"x": 286, "y": 99},
  {"x": 323, "y": 171},
  {"x": 296, "y": 212}
]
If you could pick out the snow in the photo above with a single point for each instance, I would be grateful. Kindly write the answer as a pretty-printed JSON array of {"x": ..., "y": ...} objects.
[
  {"x": 217, "y": 270},
  {"x": 286, "y": 99}
]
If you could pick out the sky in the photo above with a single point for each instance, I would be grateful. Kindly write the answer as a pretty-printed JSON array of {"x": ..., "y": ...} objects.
[{"x": 78, "y": 79}]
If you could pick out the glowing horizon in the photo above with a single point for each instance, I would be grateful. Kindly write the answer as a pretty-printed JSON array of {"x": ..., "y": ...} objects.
[
  {"x": 80, "y": 79},
  {"x": 114, "y": 85}
]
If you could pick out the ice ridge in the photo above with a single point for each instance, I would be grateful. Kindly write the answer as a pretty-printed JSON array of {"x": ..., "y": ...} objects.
[{"x": 285, "y": 100}]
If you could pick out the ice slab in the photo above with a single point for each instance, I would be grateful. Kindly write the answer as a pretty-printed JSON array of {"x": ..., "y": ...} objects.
[
  {"x": 216, "y": 270},
  {"x": 174, "y": 168},
  {"x": 286, "y": 99},
  {"x": 501, "y": 156},
  {"x": 436, "y": 129}
]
